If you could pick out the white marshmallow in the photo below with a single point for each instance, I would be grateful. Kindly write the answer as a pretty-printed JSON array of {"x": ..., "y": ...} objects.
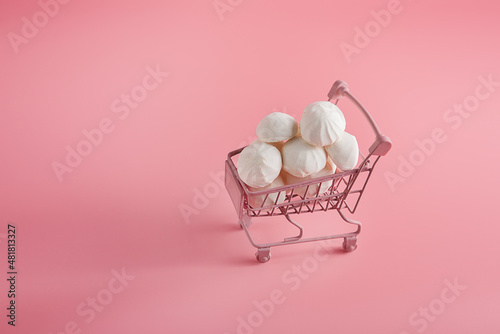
[{"x": 322, "y": 123}]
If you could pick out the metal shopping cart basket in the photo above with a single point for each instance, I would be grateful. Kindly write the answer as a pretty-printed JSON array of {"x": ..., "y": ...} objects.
[{"x": 344, "y": 192}]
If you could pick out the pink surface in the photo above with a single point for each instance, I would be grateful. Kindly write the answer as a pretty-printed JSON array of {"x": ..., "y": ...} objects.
[{"x": 111, "y": 232}]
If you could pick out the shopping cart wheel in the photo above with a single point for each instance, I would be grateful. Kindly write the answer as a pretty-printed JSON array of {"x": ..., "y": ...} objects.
[
  {"x": 349, "y": 244},
  {"x": 263, "y": 254}
]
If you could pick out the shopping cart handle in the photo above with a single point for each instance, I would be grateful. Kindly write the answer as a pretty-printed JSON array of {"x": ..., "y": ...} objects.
[{"x": 382, "y": 144}]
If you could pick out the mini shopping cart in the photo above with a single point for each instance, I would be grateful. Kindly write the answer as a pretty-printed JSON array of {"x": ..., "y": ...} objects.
[{"x": 344, "y": 192}]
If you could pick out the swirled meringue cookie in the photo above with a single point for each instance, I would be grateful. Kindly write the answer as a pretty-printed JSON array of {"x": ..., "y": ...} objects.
[
  {"x": 344, "y": 152},
  {"x": 258, "y": 201},
  {"x": 259, "y": 164},
  {"x": 302, "y": 159},
  {"x": 322, "y": 123},
  {"x": 314, "y": 189},
  {"x": 276, "y": 126}
]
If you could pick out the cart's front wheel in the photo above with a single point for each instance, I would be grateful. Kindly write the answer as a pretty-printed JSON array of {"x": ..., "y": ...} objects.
[
  {"x": 263, "y": 255},
  {"x": 349, "y": 244}
]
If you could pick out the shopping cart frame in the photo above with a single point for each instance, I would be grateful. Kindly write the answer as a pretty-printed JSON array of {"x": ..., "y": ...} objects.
[{"x": 344, "y": 192}]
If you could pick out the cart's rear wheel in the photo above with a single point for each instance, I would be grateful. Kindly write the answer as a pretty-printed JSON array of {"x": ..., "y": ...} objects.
[
  {"x": 349, "y": 244},
  {"x": 263, "y": 255}
]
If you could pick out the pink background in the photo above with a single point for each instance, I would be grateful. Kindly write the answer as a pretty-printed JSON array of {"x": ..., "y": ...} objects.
[{"x": 120, "y": 208}]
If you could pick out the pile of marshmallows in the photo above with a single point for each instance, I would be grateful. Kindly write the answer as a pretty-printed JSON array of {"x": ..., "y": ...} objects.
[{"x": 283, "y": 154}]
